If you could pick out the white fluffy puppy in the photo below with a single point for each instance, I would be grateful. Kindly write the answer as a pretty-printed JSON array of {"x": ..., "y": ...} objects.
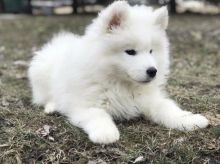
[{"x": 116, "y": 70}]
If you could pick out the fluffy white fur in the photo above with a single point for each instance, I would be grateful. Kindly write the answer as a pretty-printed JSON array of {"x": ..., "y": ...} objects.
[{"x": 91, "y": 79}]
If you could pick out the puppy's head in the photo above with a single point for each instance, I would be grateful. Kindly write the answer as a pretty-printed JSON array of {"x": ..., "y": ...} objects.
[{"x": 133, "y": 40}]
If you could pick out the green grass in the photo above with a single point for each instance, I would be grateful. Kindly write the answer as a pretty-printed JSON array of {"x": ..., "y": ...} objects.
[{"x": 194, "y": 83}]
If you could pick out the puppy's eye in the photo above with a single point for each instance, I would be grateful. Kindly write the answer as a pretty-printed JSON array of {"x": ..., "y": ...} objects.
[
  {"x": 151, "y": 51},
  {"x": 131, "y": 52}
]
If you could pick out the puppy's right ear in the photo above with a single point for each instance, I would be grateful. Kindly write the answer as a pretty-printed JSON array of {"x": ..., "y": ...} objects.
[
  {"x": 161, "y": 17},
  {"x": 115, "y": 15}
]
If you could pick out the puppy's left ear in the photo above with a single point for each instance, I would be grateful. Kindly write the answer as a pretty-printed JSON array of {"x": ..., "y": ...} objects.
[
  {"x": 117, "y": 15},
  {"x": 114, "y": 15},
  {"x": 161, "y": 17}
]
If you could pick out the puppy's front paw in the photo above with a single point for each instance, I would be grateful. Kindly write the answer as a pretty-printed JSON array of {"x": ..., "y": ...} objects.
[
  {"x": 192, "y": 122},
  {"x": 104, "y": 135},
  {"x": 49, "y": 108}
]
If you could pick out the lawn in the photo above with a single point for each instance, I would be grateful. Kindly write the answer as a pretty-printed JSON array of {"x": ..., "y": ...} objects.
[{"x": 27, "y": 135}]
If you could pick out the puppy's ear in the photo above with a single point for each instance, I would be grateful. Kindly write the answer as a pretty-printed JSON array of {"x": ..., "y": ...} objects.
[
  {"x": 161, "y": 17},
  {"x": 115, "y": 15}
]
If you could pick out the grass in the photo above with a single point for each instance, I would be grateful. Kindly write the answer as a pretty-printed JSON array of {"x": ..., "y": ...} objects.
[{"x": 194, "y": 84}]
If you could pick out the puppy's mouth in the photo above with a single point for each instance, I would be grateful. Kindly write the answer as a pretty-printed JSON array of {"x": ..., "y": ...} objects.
[{"x": 146, "y": 81}]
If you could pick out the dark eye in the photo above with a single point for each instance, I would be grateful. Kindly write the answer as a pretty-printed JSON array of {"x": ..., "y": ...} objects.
[
  {"x": 131, "y": 52},
  {"x": 151, "y": 51}
]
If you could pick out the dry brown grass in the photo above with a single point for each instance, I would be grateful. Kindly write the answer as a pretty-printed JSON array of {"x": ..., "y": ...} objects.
[{"x": 194, "y": 83}]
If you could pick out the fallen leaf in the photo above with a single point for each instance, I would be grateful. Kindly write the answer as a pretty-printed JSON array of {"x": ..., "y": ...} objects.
[
  {"x": 179, "y": 140},
  {"x": 196, "y": 35},
  {"x": 50, "y": 138},
  {"x": 139, "y": 159},
  {"x": 21, "y": 63},
  {"x": 21, "y": 76},
  {"x": 45, "y": 131}
]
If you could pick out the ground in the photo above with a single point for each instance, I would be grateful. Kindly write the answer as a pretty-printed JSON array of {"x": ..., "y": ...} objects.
[{"x": 28, "y": 135}]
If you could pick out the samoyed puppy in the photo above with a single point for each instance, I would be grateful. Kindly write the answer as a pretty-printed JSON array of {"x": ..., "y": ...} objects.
[{"x": 117, "y": 70}]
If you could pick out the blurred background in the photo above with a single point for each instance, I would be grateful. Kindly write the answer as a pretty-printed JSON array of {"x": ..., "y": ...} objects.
[{"x": 51, "y": 7}]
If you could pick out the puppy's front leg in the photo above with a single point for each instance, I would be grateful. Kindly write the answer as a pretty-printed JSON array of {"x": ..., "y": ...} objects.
[
  {"x": 164, "y": 111},
  {"x": 97, "y": 123}
]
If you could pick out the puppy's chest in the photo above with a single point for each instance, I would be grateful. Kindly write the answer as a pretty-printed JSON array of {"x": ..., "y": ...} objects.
[{"x": 120, "y": 102}]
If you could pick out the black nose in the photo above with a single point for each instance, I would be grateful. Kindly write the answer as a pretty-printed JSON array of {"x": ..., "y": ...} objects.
[{"x": 152, "y": 72}]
